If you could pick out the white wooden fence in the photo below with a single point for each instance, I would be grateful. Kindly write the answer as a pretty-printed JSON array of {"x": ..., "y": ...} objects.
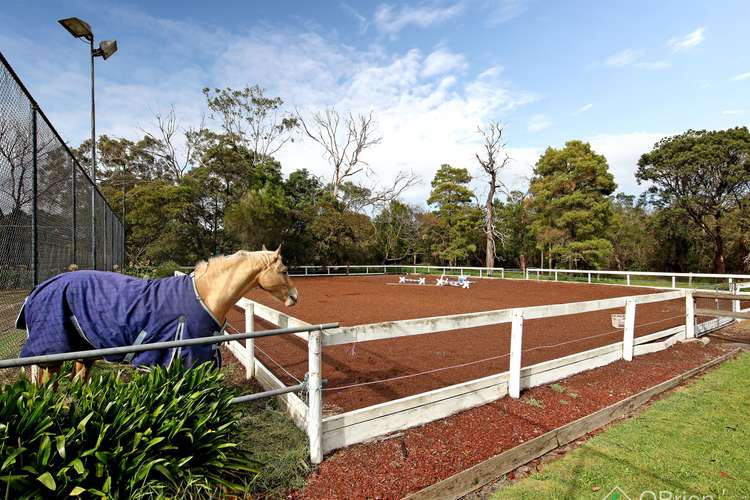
[
  {"x": 336, "y": 431},
  {"x": 359, "y": 270},
  {"x": 676, "y": 280},
  {"x": 685, "y": 279}
]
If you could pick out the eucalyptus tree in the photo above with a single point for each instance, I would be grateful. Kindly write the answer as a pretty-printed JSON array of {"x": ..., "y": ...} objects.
[{"x": 704, "y": 173}]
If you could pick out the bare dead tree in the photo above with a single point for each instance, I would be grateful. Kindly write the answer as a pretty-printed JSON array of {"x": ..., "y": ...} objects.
[
  {"x": 178, "y": 159},
  {"x": 343, "y": 140},
  {"x": 15, "y": 163},
  {"x": 492, "y": 161}
]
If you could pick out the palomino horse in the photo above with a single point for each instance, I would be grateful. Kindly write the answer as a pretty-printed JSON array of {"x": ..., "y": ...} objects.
[{"x": 94, "y": 309}]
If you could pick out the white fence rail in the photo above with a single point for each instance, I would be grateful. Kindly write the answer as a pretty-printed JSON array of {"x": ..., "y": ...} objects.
[
  {"x": 687, "y": 279},
  {"x": 673, "y": 280},
  {"x": 361, "y": 269}
]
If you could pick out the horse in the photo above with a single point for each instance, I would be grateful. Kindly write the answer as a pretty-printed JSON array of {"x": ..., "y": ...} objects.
[{"x": 83, "y": 310}]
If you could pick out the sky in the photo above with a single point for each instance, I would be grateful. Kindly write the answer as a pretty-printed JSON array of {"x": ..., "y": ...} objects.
[{"x": 620, "y": 75}]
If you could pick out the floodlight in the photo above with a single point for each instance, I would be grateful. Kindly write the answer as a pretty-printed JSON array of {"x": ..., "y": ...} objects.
[
  {"x": 107, "y": 48},
  {"x": 77, "y": 28}
]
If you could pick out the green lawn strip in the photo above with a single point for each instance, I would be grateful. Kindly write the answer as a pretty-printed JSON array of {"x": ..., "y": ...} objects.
[{"x": 693, "y": 442}]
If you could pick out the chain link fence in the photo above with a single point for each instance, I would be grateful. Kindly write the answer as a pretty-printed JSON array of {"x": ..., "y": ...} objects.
[{"x": 46, "y": 204}]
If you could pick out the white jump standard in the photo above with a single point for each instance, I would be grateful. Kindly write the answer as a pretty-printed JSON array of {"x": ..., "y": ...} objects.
[
  {"x": 417, "y": 281},
  {"x": 461, "y": 282}
]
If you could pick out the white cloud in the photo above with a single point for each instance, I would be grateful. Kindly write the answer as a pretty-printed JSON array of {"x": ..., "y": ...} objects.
[
  {"x": 425, "y": 113},
  {"x": 585, "y": 108},
  {"x": 654, "y": 65},
  {"x": 506, "y": 10},
  {"x": 741, "y": 76},
  {"x": 622, "y": 152},
  {"x": 443, "y": 61},
  {"x": 729, "y": 112},
  {"x": 688, "y": 41},
  {"x": 622, "y": 58},
  {"x": 538, "y": 123},
  {"x": 389, "y": 20}
]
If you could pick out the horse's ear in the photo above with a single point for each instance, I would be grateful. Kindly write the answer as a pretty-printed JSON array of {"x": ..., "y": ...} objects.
[
  {"x": 278, "y": 251},
  {"x": 264, "y": 248}
]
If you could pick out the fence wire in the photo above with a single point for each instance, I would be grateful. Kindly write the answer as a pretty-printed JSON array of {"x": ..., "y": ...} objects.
[{"x": 46, "y": 201}]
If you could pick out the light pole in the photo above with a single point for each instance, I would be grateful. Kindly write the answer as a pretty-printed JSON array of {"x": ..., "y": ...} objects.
[{"x": 81, "y": 29}]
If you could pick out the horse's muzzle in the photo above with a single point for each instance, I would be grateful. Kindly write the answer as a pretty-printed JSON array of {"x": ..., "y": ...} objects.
[{"x": 292, "y": 298}]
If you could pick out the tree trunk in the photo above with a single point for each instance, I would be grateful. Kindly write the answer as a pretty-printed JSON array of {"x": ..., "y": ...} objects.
[
  {"x": 719, "y": 266},
  {"x": 489, "y": 230}
]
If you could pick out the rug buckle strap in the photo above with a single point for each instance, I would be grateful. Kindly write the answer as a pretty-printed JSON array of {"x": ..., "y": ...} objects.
[{"x": 138, "y": 341}]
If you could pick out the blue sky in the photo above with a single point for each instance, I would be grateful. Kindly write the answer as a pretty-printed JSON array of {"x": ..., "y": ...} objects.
[{"x": 618, "y": 74}]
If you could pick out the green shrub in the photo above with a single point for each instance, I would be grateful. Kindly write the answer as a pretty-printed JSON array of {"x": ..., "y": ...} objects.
[
  {"x": 164, "y": 433},
  {"x": 166, "y": 269}
]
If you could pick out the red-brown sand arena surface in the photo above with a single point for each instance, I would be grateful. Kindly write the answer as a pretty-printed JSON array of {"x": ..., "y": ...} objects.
[{"x": 372, "y": 299}]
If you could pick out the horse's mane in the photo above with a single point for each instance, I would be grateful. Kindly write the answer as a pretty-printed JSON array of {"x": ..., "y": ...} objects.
[{"x": 202, "y": 266}]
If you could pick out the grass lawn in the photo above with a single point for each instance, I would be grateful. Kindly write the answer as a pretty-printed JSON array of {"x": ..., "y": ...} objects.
[{"x": 694, "y": 442}]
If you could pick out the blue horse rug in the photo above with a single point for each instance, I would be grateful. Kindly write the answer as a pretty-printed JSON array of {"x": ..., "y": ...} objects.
[{"x": 81, "y": 310}]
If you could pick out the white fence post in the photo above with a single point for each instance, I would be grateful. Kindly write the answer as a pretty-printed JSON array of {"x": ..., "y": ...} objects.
[
  {"x": 502, "y": 273},
  {"x": 555, "y": 275},
  {"x": 674, "y": 281},
  {"x": 735, "y": 289},
  {"x": 315, "y": 399},
  {"x": 250, "y": 343},
  {"x": 516, "y": 346},
  {"x": 628, "y": 277},
  {"x": 689, "y": 315},
  {"x": 589, "y": 277},
  {"x": 628, "y": 339}
]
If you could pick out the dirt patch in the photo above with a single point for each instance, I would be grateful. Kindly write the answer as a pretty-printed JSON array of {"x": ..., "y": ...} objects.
[{"x": 450, "y": 357}]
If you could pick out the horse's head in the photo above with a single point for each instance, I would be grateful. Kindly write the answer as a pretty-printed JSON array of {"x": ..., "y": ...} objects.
[{"x": 275, "y": 280}]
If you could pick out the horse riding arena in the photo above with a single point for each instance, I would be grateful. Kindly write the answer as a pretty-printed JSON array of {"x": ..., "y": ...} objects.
[{"x": 406, "y": 353}]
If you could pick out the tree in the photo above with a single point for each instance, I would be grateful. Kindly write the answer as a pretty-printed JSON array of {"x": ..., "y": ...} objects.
[
  {"x": 397, "y": 232},
  {"x": 514, "y": 215},
  {"x": 162, "y": 225},
  {"x": 262, "y": 217},
  {"x": 226, "y": 173},
  {"x": 342, "y": 236},
  {"x": 570, "y": 189},
  {"x": 344, "y": 141},
  {"x": 630, "y": 242},
  {"x": 459, "y": 220},
  {"x": 492, "y": 137},
  {"x": 178, "y": 160},
  {"x": 706, "y": 173},
  {"x": 252, "y": 120}
]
